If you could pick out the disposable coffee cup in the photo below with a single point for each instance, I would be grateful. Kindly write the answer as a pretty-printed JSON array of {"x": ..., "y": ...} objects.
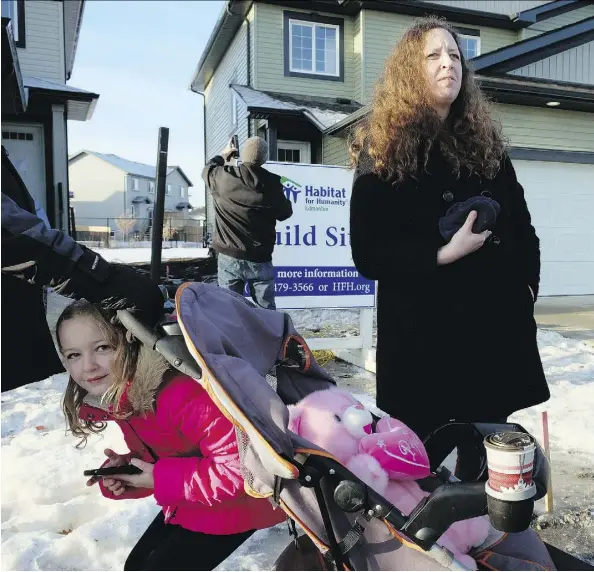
[{"x": 510, "y": 462}]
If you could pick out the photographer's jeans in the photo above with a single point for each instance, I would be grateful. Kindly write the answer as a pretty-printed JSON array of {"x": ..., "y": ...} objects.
[{"x": 234, "y": 274}]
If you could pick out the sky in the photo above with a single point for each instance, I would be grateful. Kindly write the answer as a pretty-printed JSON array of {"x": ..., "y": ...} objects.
[{"x": 140, "y": 57}]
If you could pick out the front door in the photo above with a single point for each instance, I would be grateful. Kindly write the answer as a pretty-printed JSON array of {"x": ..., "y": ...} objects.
[{"x": 24, "y": 144}]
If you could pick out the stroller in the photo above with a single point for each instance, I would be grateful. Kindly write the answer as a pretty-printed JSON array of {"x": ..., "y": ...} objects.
[{"x": 253, "y": 364}]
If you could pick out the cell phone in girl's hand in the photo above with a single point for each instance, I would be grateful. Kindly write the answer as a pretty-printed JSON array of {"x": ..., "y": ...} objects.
[{"x": 107, "y": 471}]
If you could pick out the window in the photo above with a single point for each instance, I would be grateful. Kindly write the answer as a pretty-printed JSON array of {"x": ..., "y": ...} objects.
[
  {"x": 135, "y": 184},
  {"x": 151, "y": 185},
  {"x": 15, "y": 10},
  {"x": 168, "y": 190},
  {"x": 314, "y": 46},
  {"x": 181, "y": 192},
  {"x": 293, "y": 151},
  {"x": 470, "y": 42},
  {"x": 471, "y": 46}
]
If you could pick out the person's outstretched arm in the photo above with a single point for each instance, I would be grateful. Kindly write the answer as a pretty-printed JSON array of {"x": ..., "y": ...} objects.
[{"x": 49, "y": 257}]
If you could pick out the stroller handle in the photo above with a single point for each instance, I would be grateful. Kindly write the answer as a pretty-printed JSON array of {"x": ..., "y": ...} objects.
[
  {"x": 170, "y": 344},
  {"x": 138, "y": 329}
]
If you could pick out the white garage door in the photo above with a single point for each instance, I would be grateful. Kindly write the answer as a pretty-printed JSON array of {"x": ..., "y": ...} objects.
[
  {"x": 24, "y": 143},
  {"x": 560, "y": 197}
]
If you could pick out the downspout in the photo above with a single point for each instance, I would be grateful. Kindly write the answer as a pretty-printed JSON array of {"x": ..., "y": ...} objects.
[
  {"x": 249, "y": 67},
  {"x": 206, "y": 221},
  {"x": 248, "y": 55}
]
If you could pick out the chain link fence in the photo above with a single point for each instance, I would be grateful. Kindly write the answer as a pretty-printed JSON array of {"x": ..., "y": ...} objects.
[{"x": 121, "y": 232}]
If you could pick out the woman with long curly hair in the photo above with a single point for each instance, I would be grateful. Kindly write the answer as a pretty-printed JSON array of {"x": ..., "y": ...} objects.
[{"x": 440, "y": 220}]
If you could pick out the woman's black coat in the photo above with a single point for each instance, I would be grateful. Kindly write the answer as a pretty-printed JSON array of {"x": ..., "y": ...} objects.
[{"x": 456, "y": 341}]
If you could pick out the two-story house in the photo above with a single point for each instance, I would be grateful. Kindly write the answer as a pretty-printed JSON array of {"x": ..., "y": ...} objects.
[
  {"x": 301, "y": 74},
  {"x": 39, "y": 40},
  {"x": 105, "y": 187}
]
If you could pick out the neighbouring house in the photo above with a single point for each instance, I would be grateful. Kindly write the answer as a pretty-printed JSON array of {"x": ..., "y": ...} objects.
[
  {"x": 301, "y": 74},
  {"x": 109, "y": 191},
  {"x": 39, "y": 40}
]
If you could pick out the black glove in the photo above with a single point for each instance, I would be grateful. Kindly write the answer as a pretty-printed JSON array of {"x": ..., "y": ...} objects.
[
  {"x": 114, "y": 287},
  {"x": 487, "y": 211}
]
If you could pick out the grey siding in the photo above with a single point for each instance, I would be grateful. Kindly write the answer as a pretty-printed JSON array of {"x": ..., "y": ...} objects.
[
  {"x": 382, "y": 31},
  {"x": 335, "y": 151},
  {"x": 218, "y": 99},
  {"x": 177, "y": 181},
  {"x": 270, "y": 64},
  {"x": 43, "y": 55},
  {"x": 496, "y": 6},
  {"x": 98, "y": 189},
  {"x": 358, "y": 58},
  {"x": 575, "y": 65},
  {"x": 547, "y": 128},
  {"x": 522, "y": 126}
]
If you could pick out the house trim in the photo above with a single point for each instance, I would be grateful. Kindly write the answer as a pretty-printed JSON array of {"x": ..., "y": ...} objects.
[
  {"x": 61, "y": 93},
  {"x": 550, "y": 10},
  {"x": 314, "y": 19},
  {"x": 536, "y": 48},
  {"x": 234, "y": 12},
  {"x": 16, "y": 92},
  {"x": 515, "y": 90},
  {"x": 229, "y": 22},
  {"x": 547, "y": 155},
  {"x": 22, "y": 41},
  {"x": 170, "y": 168}
]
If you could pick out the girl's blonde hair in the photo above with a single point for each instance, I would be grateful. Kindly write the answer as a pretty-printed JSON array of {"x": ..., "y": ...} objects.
[
  {"x": 122, "y": 371},
  {"x": 402, "y": 126}
]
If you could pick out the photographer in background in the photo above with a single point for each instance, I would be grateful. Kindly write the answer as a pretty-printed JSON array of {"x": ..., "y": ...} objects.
[{"x": 248, "y": 201}]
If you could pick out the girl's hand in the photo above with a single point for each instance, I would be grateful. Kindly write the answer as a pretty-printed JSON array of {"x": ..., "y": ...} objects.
[
  {"x": 117, "y": 488},
  {"x": 114, "y": 460},
  {"x": 463, "y": 242},
  {"x": 144, "y": 480}
]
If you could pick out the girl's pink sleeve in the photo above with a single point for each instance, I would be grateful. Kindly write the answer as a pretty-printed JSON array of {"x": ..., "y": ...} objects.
[{"x": 215, "y": 475}]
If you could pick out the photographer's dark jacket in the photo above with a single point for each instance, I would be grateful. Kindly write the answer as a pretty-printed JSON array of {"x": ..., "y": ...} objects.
[
  {"x": 456, "y": 341},
  {"x": 248, "y": 201}
]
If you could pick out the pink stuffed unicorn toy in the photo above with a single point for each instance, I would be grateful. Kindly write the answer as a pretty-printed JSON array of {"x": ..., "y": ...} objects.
[{"x": 389, "y": 460}]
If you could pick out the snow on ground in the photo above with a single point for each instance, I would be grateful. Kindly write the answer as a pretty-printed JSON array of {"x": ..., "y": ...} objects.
[
  {"x": 143, "y": 255},
  {"x": 52, "y": 521}
]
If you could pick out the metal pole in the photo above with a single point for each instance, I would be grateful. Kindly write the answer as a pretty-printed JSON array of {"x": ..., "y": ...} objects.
[
  {"x": 159, "y": 211},
  {"x": 545, "y": 438}
]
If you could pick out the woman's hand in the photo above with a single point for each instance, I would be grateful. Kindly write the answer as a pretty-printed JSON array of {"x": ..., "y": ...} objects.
[
  {"x": 144, "y": 480},
  {"x": 464, "y": 242}
]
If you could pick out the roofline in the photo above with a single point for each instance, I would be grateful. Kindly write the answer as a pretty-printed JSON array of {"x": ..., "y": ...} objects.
[
  {"x": 550, "y": 10},
  {"x": 99, "y": 156},
  {"x": 512, "y": 90},
  {"x": 178, "y": 168},
  {"x": 352, "y": 7},
  {"x": 537, "y": 48},
  {"x": 227, "y": 15},
  {"x": 460, "y": 15},
  {"x": 14, "y": 56},
  {"x": 75, "y": 40}
]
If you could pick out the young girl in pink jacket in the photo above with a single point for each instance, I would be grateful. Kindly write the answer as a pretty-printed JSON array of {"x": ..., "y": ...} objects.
[{"x": 186, "y": 448}]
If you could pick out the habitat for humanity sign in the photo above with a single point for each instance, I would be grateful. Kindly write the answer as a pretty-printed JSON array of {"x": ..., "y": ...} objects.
[{"x": 312, "y": 257}]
